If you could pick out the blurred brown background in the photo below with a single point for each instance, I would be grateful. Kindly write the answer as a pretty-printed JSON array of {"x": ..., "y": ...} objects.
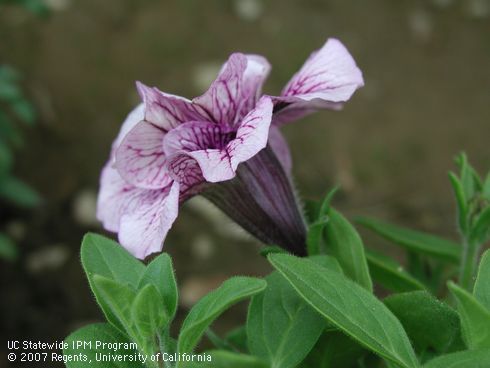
[{"x": 427, "y": 97}]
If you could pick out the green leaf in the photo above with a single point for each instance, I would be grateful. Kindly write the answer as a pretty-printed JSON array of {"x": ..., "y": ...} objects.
[
  {"x": 37, "y": 7},
  {"x": 8, "y": 74},
  {"x": 345, "y": 244},
  {"x": 160, "y": 273},
  {"x": 212, "y": 305},
  {"x": 104, "y": 257},
  {"x": 276, "y": 318},
  {"x": 115, "y": 300},
  {"x": 325, "y": 207},
  {"x": 238, "y": 338},
  {"x": 6, "y": 160},
  {"x": 475, "y": 318},
  {"x": 328, "y": 262},
  {"x": 315, "y": 236},
  {"x": 24, "y": 111},
  {"x": 334, "y": 349},
  {"x": 148, "y": 312},
  {"x": 311, "y": 209},
  {"x": 349, "y": 307},
  {"x": 417, "y": 266},
  {"x": 318, "y": 219},
  {"x": 482, "y": 284},
  {"x": 390, "y": 274},
  {"x": 469, "y": 179},
  {"x": 480, "y": 232},
  {"x": 462, "y": 359},
  {"x": 18, "y": 192},
  {"x": 414, "y": 240},
  {"x": 217, "y": 341},
  {"x": 227, "y": 359},
  {"x": 9, "y": 132},
  {"x": 8, "y": 250},
  {"x": 486, "y": 187},
  {"x": 94, "y": 336},
  {"x": 264, "y": 251},
  {"x": 9, "y": 91},
  {"x": 461, "y": 202},
  {"x": 430, "y": 324}
]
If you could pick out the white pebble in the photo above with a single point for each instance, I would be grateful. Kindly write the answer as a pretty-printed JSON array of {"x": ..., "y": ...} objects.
[
  {"x": 249, "y": 10},
  {"x": 421, "y": 25},
  {"x": 478, "y": 8},
  {"x": 57, "y": 5},
  {"x": 16, "y": 230},
  {"x": 85, "y": 207},
  {"x": 47, "y": 259},
  {"x": 203, "y": 247}
]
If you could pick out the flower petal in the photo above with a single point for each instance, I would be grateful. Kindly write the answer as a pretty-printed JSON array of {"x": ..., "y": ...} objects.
[
  {"x": 255, "y": 74},
  {"x": 252, "y": 133},
  {"x": 223, "y": 101},
  {"x": 329, "y": 74},
  {"x": 167, "y": 111},
  {"x": 196, "y": 135},
  {"x": 328, "y": 78},
  {"x": 205, "y": 145},
  {"x": 217, "y": 150},
  {"x": 133, "y": 118},
  {"x": 114, "y": 197},
  {"x": 140, "y": 158},
  {"x": 186, "y": 171},
  {"x": 280, "y": 148},
  {"x": 143, "y": 230}
]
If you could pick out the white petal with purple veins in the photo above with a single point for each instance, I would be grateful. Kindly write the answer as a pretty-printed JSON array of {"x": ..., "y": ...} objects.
[
  {"x": 167, "y": 111},
  {"x": 111, "y": 201},
  {"x": 280, "y": 148},
  {"x": 217, "y": 149},
  {"x": 132, "y": 119},
  {"x": 223, "y": 101},
  {"x": 185, "y": 170},
  {"x": 255, "y": 74},
  {"x": 143, "y": 230},
  {"x": 116, "y": 198},
  {"x": 252, "y": 133},
  {"x": 330, "y": 74},
  {"x": 328, "y": 78},
  {"x": 203, "y": 143},
  {"x": 216, "y": 165},
  {"x": 251, "y": 137},
  {"x": 197, "y": 135},
  {"x": 140, "y": 158}
]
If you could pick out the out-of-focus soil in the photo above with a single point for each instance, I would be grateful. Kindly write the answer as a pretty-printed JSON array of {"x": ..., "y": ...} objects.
[{"x": 427, "y": 93}]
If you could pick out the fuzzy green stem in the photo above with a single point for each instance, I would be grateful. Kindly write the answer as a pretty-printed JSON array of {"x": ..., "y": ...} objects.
[
  {"x": 165, "y": 347},
  {"x": 149, "y": 352}
]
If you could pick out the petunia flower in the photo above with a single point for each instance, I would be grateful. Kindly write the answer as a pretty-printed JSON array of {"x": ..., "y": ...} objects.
[{"x": 224, "y": 145}]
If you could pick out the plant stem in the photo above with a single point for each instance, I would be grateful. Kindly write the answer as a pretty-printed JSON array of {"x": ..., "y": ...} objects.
[
  {"x": 149, "y": 353},
  {"x": 165, "y": 347},
  {"x": 218, "y": 342},
  {"x": 468, "y": 263}
]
